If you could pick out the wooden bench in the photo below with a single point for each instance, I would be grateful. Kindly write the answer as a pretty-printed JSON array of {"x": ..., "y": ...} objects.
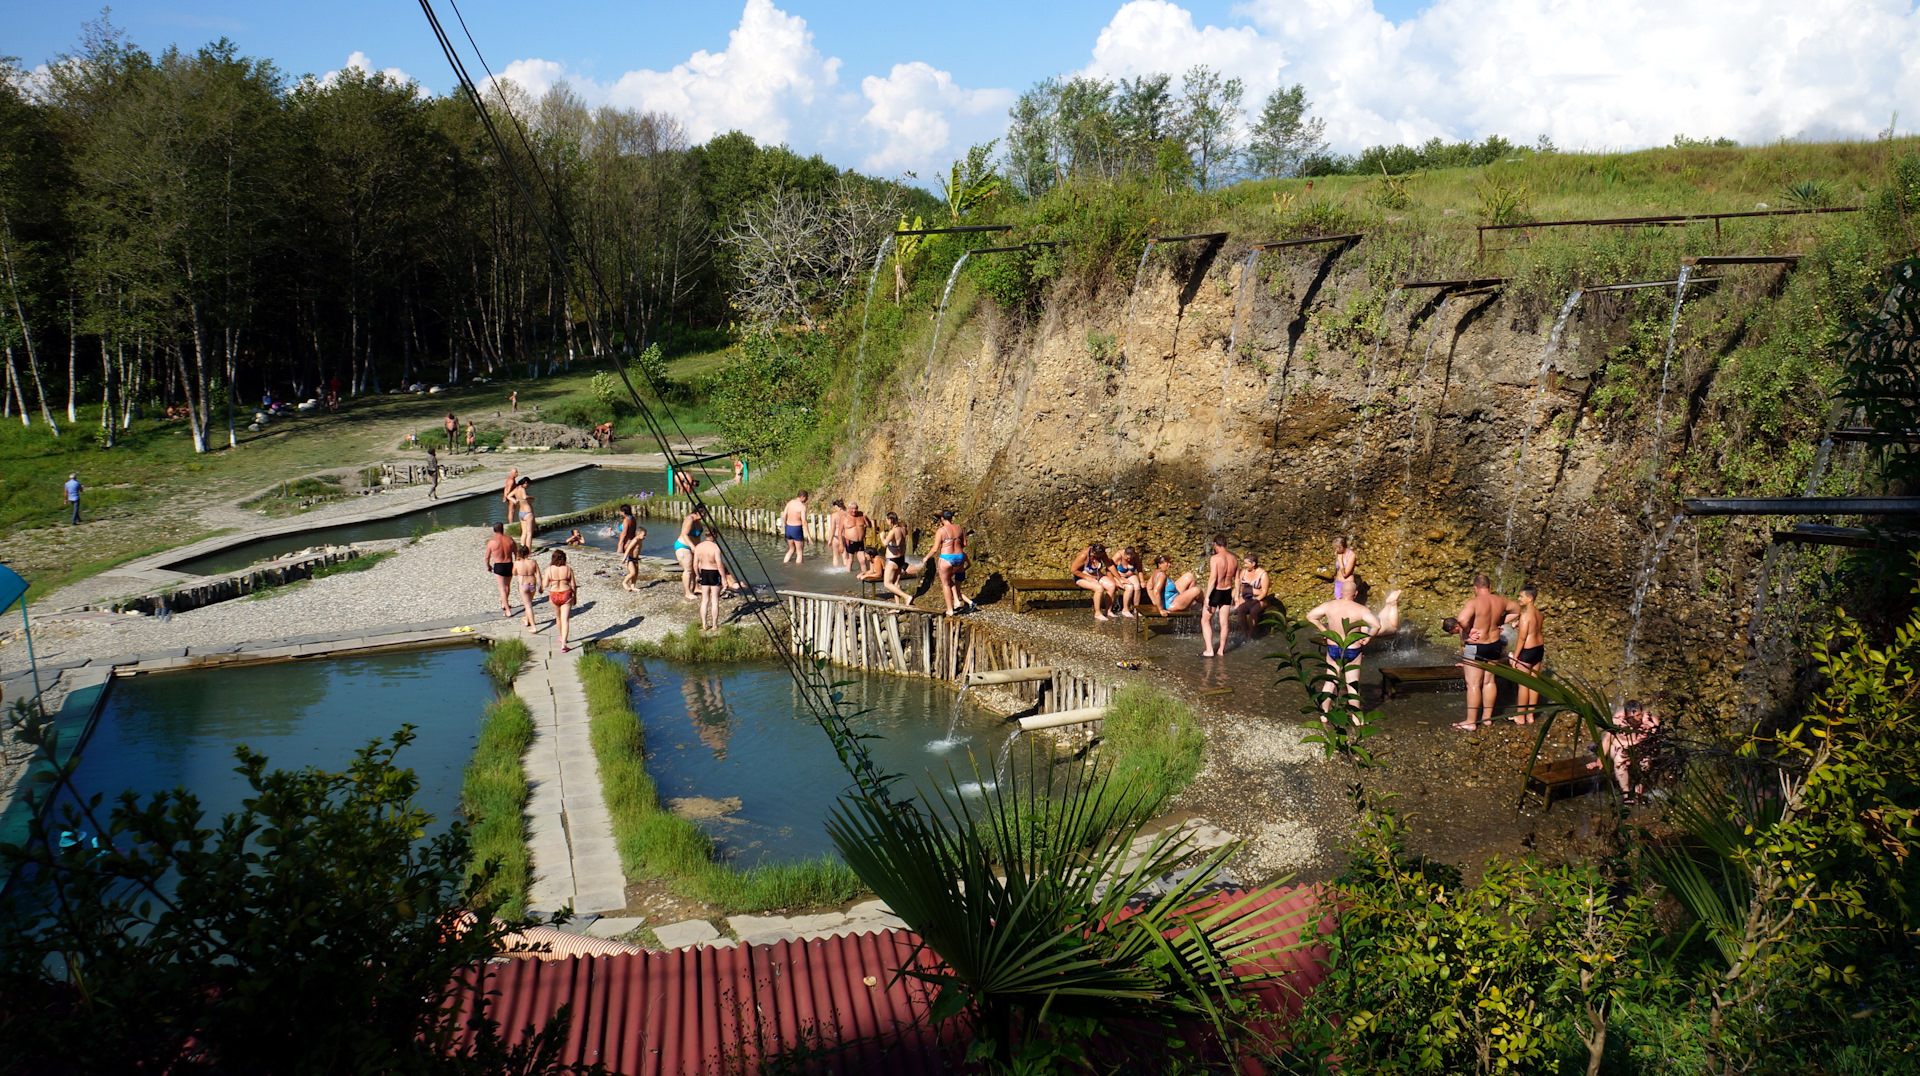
[
  {"x": 1022, "y": 587},
  {"x": 1395, "y": 678},
  {"x": 1564, "y": 777}
]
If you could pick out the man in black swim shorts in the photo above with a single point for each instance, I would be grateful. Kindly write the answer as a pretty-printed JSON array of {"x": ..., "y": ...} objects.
[
  {"x": 1222, "y": 568},
  {"x": 1530, "y": 636},
  {"x": 1480, "y": 622},
  {"x": 499, "y": 561},
  {"x": 709, "y": 578}
]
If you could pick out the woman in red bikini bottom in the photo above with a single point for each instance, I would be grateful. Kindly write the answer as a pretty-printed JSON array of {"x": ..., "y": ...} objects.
[{"x": 560, "y": 584}]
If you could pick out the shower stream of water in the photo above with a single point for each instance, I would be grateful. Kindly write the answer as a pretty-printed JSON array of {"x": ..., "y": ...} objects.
[
  {"x": 941, "y": 312},
  {"x": 1366, "y": 408},
  {"x": 1243, "y": 299},
  {"x": 1006, "y": 752},
  {"x": 1139, "y": 273},
  {"x": 1640, "y": 590},
  {"x": 860, "y": 355},
  {"x": 1413, "y": 433},
  {"x": 1533, "y": 415}
]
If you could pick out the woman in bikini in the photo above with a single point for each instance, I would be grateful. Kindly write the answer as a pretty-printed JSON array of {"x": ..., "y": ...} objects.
[
  {"x": 1253, "y": 586},
  {"x": 690, "y": 530},
  {"x": 521, "y": 504},
  {"x": 835, "y": 545},
  {"x": 526, "y": 582},
  {"x": 1126, "y": 570},
  {"x": 1093, "y": 572},
  {"x": 950, "y": 549},
  {"x": 893, "y": 567},
  {"x": 560, "y": 585},
  {"x": 1170, "y": 595},
  {"x": 1345, "y": 560}
]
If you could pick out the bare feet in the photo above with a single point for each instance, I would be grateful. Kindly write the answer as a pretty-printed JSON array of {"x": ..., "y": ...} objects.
[
  {"x": 1101, "y": 616},
  {"x": 1466, "y": 726}
]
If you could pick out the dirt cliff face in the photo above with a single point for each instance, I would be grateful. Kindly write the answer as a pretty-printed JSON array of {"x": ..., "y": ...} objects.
[{"x": 1083, "y": 425}]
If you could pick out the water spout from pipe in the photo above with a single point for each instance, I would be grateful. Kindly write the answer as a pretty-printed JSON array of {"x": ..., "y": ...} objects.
[
  {"x": 860, "y": 355},
  {"x": 1413, "y": 433},
  {"x": 1240, "y": 300},
  {"x": 941, "y": 313},
  {"x": 1526, "y": 431},
  {"x": 1139, "y": 273}
]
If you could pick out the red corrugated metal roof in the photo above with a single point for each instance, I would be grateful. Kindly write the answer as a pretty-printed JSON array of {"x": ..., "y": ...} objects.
[{"x": 699, "y": 1011}]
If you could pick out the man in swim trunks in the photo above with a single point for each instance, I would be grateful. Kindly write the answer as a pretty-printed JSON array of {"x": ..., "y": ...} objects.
[
  {"x": 628, "y": 546},
  {"x": 451, "y": 425},
  {"x": 1530, "y": 643},
  {"x": 499, "y": 561},
  {"x": 1338, "y": 621},
  {"x": 836, "y": 547},
  {"x": 1480, "y": 622},
  {"x": 853, "y": 528},
  {"x": 1222, "y": 568},
  {"x": 950, "y": 562},
  {"x": 709, "y": 571},
  {"x": 794, "y": 518}
]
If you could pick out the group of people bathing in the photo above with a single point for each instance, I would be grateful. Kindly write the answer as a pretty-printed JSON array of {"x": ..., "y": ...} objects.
[
  {"x": 848, "y": 529},
  {"x": 1235, "y": 589}
]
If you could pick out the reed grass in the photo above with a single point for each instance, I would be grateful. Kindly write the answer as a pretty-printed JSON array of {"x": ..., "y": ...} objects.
[
  {"x": 493, "y": 795},
  {"x": 656, "y": 844},
  {"x": 505, "y": 659},
  {"x": 1152, "y": 742},
  {"x": 730, "y": 643}
]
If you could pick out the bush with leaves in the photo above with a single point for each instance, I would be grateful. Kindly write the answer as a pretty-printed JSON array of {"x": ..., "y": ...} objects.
[
  {"x": 317, "y": 929},
  {"x": 769, "y": 396}
]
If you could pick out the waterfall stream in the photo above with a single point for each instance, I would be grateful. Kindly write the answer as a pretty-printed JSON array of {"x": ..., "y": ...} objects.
[
  {"x": 860, "y": 355},
  {"x": 1366, "y": 409},
  {"x": 1413, "y": 434},
  {"x": 1242, "y": 299},
  {"x": 1642, "y": 588},
  {"x": 941, "y": 312},
  {"x": 1526, "y": 431},
  {"x": 1139, "y": 274}
]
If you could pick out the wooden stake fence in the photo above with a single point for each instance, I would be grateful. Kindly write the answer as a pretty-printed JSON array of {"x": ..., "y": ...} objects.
[{"x": 763, "y": 520}]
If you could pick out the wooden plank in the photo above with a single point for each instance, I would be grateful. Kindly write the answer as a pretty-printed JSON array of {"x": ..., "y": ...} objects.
[
  {"x": 1009, "y": 676},
  {"x": 1564, "y": 777},
  {"x": 893, "y": 638},
  {"x": 1064, "y": 717},
  {"x": 1419, "y": 678}
]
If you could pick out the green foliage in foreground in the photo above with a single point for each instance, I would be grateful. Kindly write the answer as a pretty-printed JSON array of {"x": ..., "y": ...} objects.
[
  {"x": 654, "y": 843},
  {"x": 493, "y": 796},
  {"x": 692, "y": 646},
  {"x": 315, "y": 930}
]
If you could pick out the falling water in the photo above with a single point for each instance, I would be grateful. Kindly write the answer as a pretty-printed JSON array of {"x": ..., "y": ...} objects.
[
  {"x": 953, "y": 738},
  {"x": 1006, "y": 752},
  {"x": 1641, "y": 588},
  {"x": 1240, "y": 300},
  {"x": 1533, "y": 412},
  {"x": 1139, "y": 273},
  {"x": 1366, "y": 407},
  {"x": 1413, "y": 432},
  {"x": 942, "y": 311},
  {"x": 859, "y": 361}
]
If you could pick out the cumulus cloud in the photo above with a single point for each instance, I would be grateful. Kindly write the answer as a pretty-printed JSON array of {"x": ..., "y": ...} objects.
[
  {"x": 1589, "y": 74},
  {"x": 773, "y": 82},
  {"x": 360, "y": 61}
]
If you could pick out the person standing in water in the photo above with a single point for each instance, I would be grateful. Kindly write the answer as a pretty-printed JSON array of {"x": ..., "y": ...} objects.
[
  {"x": 950, "y": 549},
  {"x": 1479, "y": 623},
  {"x": 526, "y": 582},
  {"x": 1222, "y": 567},
  {"x": 498, "y": 558},
  {"x": 794, "y": 518},
  {"x": 1253, "y": 585},
  {"x": 1530, "y": 651},
  {"x": 691, "y": 528},
  {"x": 836, "y": 548},
  {"x": 1339, "y": 620},
  {"x": 893, "y": 566},
  {"x": 1346, "y": 580},
  {"x": 853, "y": 528},
  {"x": 709, "y": 569},
  {"x": 628, "y": 546},
  {"x": 561, "y": 587}
]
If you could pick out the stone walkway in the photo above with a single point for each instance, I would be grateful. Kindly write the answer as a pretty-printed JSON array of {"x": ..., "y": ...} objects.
[
  {"x": 766, "y": 929},
  {"x": 575, "y": 861}
]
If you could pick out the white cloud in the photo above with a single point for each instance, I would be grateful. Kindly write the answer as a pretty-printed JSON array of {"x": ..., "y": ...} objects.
[
  {"x": 773, "y": 82},
  {"x": 1590, "y": 74},
  {"x": 362, "y": 62}
]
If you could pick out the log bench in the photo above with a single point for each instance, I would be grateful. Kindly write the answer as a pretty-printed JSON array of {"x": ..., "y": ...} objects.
[
  {"x": 1020, "y": 588},
  {"x": 1564, "y": 777},
  {"x": 1401, "y": 678}
]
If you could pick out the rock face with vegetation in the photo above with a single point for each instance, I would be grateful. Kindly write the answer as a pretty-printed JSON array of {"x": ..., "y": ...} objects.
[{"x": 1300, "y": 395}]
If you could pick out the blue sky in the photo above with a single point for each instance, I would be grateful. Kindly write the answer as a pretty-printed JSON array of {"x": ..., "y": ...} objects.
[{"x": 891, "y": 88}]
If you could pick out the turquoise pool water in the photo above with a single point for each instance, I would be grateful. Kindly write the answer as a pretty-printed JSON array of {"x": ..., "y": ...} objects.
[
  {"x": 179, "y": 730},
  {"x": 728, "y": 731}
]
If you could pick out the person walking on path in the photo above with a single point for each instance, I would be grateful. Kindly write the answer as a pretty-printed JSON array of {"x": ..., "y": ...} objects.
[
  {"x": 631, "y": 535},
  {"x": 469, "y": 437},
  {"x": 526, "y": 581},
  {"x": 710, "y": 577},
  {"x": 794, "y": 518},
  {"x": 433, "y": 473},
  {"x": 1479, "y": 623},
  {"x": 451, "y": 424},
  {"x": 73, "y": 495},
  {"x": 521, "y": 502},
  {"x": 1530, "y": 651},
  {"x": 560, "y": 586},
  {"x": 950, "y": 548},
  {"x": 499, "y": 561},
  {"x": 893, "y": 567},
  {"x": 1222, "y": 568}
]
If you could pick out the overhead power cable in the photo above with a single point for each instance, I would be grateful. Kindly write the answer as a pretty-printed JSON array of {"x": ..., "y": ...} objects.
[{"x": 816, "y": 695}]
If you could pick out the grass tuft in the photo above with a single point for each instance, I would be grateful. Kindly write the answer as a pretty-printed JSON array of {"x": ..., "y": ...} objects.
[
  {"x": 1152, "y": 740},
  {"x": 494, "y": 797},
  {"x": 730, "y": 643},
  {"x": 654, "y": 843},
  {"x": 505, "y": 659}
]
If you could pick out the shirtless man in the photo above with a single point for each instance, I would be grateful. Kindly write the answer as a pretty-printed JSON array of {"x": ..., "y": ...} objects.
[
  {"x": 710, "y": 577},
  {"x": 853, "y": 528},
  {"x": 499, "y": 561},
  {"x": 450, "y": 425},
  {"x": 794, "y": 518},
  {"x": 950, "y": 562},
  {"x": 1222, "y": 568},
  {"x": 1479, "y": 622},
  {"x": 1530, "y": 651},
  {"x": 513, "y": 479},
  {"x": 628, "y": 546},
  {"x": 1337, "y": 621},
  {"x": 836, "y": 548}
]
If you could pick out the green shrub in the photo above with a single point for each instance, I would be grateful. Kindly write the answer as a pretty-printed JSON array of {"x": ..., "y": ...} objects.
[
  {"x": 505, "y": 659},
  {"x": 692, "y": 646},
  {"x": 1152, "y": 741},
  {"x": 770, "y": 395},
  {"x": 493, "y": 795}
]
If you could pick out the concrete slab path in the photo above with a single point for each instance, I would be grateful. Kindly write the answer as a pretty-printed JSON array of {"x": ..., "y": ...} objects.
[{"x": 575, "y": 861}]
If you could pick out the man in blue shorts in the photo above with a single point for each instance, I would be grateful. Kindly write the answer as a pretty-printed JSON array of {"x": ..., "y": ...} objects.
[{"x": 794, "y": 518}]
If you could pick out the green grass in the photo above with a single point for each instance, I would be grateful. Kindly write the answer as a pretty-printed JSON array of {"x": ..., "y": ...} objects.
[
  {"x": 505, "y": 659},
  {"x": 286, "y": 496},
  {"x": 493, "y": 795},
  {"x": 1152, "y": 740},
  {"x": 43, "y": 583},
  {"x": 730, "y": 643},
  {"x": 340, "y": 567},
  {"x": 656, "y": 844}
]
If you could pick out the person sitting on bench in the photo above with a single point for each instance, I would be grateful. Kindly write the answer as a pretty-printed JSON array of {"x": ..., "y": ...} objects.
[{"x": 1170, "y": 595}]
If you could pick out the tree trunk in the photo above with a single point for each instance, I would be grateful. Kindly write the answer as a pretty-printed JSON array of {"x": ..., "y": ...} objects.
[
  {"x": 26, "y": 331},
  {"x": 73, "y": 362},
  {"x": 195, "y": 422},
  {"x": 14, "y": 393},
  {"x": 233, "y": 441},
  {"x": 106, "y": 395}
]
